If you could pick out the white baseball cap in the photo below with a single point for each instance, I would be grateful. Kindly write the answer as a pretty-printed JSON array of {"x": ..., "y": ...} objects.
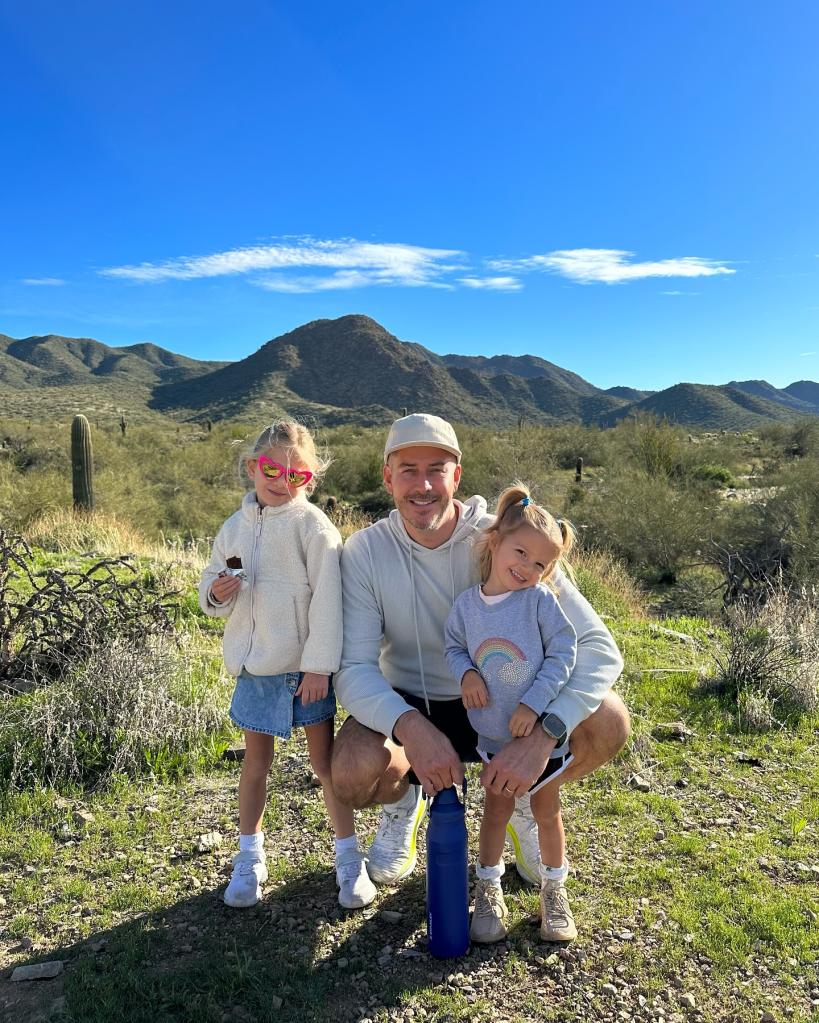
[{"x": 421, "y": 429}]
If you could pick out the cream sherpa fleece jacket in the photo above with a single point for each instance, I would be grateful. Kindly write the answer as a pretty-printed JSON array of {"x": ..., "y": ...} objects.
[{"x": 289, "y": 617}]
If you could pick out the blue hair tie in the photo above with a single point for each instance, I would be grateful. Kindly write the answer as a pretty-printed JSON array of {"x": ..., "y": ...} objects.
[{"x": 525, "y": 501}]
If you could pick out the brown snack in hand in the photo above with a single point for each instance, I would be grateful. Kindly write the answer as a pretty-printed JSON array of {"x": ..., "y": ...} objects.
[{"x": 234, "y": 562}]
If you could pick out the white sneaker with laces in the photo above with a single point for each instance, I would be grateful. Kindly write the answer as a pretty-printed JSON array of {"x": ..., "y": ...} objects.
[
  {"x": 490, "y": 913},
  {"x": 392, "y": 854},
  {"x": 355, "y": 889},
  {"x": 521, "y": 831},
  {"x": 249, "y": 874}
]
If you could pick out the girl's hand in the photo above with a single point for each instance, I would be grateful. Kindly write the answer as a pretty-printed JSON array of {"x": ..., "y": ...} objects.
[
  {"x": 224, "y": 588},
  {"x": 474, "y": 693},
  {"x": 522, "y": 721},
  {"x": 313, "y": 687}
]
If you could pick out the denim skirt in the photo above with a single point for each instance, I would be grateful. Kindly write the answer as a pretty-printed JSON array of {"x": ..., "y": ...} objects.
[{"x": 268, "y": 704}]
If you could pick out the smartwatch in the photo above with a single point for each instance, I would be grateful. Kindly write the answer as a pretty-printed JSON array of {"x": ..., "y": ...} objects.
[{"x": 553, "y": 725}]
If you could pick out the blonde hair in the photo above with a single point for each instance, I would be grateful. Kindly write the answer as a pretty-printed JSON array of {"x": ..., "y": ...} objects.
[
  {"x": 293, "y": 437},
  {"x": 515, "y": 509}
]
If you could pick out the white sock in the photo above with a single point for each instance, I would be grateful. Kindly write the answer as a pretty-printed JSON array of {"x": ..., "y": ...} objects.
[
  {"x": 343, "y": 845},
  {"x": 407, "y": 801},
  {"x": 490, "y": 873},
  {"x": 252, "y": 843},
  {"x": 554, "y": 874}
]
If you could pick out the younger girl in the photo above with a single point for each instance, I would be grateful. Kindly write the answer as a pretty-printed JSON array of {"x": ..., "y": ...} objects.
[
  {"x": 513, "y": 649},
  {"x": 274, "y": 574}
]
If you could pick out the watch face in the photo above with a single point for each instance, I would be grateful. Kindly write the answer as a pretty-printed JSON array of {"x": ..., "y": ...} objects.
[{"x": 552, "y": 725}]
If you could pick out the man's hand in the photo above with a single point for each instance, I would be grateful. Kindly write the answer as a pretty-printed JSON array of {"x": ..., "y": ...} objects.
[
  {"x": 474, "y": 693},
  {"x": 313, "y": 687},
  {"x": 518, "y": 765},
  {"x": 431, "y": 755},
  {"x": 522, "y": 721},
  {"x": 224, "y": 587}
]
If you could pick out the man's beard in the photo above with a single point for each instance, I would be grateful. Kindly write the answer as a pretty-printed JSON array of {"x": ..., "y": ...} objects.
[{"x": 427, "y": 525}]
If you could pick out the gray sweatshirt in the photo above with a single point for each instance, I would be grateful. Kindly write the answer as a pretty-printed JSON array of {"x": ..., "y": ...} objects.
[
  {"x": 397, "y": 596},
  {"x": 523, "y": 647}
]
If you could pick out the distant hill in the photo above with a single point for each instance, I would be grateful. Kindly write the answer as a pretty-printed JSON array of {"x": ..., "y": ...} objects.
[
  {"x": 54, "y": 361},
  {"x": 762, "y": 389},
  {"x": 805, "y": 390},
  {"x": 629, "y": 393},
  {"x": 58, "y": 376},
  {"x": 705, "y": 406},
  {"x": 352, "y": 369}
]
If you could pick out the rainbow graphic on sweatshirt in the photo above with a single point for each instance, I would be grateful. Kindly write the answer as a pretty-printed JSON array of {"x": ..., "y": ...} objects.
[{"x": 502, "y": 658}]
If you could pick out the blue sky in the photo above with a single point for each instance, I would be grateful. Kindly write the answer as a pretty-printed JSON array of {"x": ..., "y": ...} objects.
[{"x": 626, "y": 189}]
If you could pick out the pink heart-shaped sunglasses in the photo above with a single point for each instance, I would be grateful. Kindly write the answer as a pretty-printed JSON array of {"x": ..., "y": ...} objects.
[{"x": 274, "y": 471}]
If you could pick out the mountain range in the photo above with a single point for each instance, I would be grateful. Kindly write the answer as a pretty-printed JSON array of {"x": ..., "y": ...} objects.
[{"x": 352, "y": 369}]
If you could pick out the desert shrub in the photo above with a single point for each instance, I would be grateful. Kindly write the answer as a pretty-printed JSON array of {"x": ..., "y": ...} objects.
[
  {"x": 697, "y": 593},
  {"x": 127, "y": 708},
  {"x": 52, "y": 620},
  {"x": 794, "y": 510},
  {"x": 769, "y": 667},
  {"x": 493, "y": 459},
  {"x": 652, "y": 446},
  {"x": 655, "y": 527},
  {"x": 606, "y": 584},
  {"x": 718, "y": 475},
  {"x": 568, "y": 443},
  {"x": 357, "y": 460},
  {"x": 798, "y": 439},
  {"x": 756, "y": 545}
]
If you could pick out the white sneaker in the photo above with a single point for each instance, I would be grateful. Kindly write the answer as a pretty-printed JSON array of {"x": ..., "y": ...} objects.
[
  {"x": 490, "y": 913},
  {"x": 392, "y": 854},
  {"x": 249, "y": 874},
  {"x": 521, "y": 831},
  {"x": 355, "y": 889}
]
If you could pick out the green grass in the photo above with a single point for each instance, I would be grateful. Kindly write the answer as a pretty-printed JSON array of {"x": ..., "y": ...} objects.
[{"x": 709, "y": 872}]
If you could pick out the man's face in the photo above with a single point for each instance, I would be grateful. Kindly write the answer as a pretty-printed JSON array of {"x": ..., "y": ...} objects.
[{"x": 423, "y": 481}]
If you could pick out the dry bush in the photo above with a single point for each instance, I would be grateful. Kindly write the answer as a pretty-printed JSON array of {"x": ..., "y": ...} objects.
[
  {"x": 605, "y": 582},
  {"x": 127, "y": 708},
  {"x": 52, "y": 620},
  {"x": 770, "y": 665}
]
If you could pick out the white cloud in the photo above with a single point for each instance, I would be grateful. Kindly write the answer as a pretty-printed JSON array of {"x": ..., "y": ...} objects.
[
  {"x": 610, "y": 266},
  {"x": 44, "y": 282},
  {"x": 802, "y": 355},
  {"x": 492, "y": 283},
  {"x": 679, "y": 293},
  {"x": 356, "y": 264}
]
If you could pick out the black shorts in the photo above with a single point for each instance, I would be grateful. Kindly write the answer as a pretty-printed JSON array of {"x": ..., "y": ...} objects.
[{"x": 449, "y": 717}]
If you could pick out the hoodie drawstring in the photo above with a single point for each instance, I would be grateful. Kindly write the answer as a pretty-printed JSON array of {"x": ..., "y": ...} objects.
[{"x": 417, "y": 634}]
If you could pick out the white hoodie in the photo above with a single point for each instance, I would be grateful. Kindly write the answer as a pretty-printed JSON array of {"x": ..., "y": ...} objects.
[
  {"x": 397, "y": 596},
  {"x": 289, "y": 617}
]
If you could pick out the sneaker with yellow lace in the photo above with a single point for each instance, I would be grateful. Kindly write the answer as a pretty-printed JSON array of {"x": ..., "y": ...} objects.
[{"x": 392, "y": 854}]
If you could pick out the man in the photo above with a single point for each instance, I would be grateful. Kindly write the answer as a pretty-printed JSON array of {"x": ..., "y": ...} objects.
[{"x": 408, "y": 733}]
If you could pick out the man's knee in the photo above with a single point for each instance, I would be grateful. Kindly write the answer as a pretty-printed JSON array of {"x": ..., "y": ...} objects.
[
  {"x": 602, "y": 735},
  {"x": 359, "y": 760}
]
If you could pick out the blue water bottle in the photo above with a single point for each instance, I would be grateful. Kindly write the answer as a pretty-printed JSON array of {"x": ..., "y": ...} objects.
[{"x": 447, "y": 877}]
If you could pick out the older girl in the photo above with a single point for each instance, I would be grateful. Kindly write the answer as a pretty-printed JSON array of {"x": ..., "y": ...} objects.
[{"x": 274, "y": 574}]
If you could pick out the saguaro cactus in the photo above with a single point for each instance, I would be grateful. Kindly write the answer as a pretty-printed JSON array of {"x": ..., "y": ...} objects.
[
  {"x": 578, "y": 471},
  {"x": 82, "y": 464},
  {"x": 123, "y": 424}
]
